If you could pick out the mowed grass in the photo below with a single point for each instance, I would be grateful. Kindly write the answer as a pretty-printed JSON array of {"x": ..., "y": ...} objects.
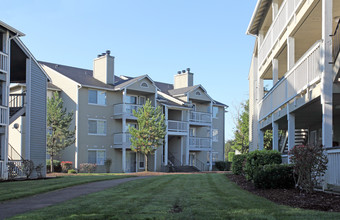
[
  {"x": 200, "y": 196},
  {"x": 19, "y": 189}
]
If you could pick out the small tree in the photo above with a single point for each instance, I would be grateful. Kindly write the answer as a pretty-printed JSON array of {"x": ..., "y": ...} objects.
[
  {"x": 150, "y": 132},
  {"x": 58, "y": 121}
]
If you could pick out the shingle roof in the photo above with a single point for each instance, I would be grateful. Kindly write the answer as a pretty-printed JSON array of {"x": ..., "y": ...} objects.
[
  {"x": 52, "y": 86},
  {"x": 182, "y": 90},
  {"x": 164, "y": 87},
  {"x": 219, "y": 103}
]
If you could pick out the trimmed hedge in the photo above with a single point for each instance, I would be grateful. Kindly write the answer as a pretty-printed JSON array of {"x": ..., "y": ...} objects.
[
  {"x": 237, "y": 164},
  {"x": 222, "y": 165},
  {"x": 274, "y": 176},
  {"x": 56, "y": 165},
  {"x": 258, "y": 158},
  {"x": 231, "y": 156}
]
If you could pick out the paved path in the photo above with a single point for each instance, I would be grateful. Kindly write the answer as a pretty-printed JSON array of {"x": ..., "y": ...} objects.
[{"x": 19, "y": 206}]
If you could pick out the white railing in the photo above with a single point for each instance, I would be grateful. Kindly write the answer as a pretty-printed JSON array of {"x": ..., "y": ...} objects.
[
  {"x": 118, "y": 138},
  {"x": 199, "y": 143},
  {"x": 305, "y": 73},
  {"x": 177, "y": 126},
  {"x": 119, "y": 109},
  {"x": 3, "y": 115},
  {"x": 333, "y": 171},
  {"x": 3, "y": 62},
  {"x": 17, "y": 168},
  {"x": 200, "y": 117},
  {"x": 285, "y": 14}
]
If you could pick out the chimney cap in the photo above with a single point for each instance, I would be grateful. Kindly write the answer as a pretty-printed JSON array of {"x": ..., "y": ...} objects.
[
  {"x": 188, "y": 69},
  {"x": 179, "y": 72},
  {"x": 183, "y": 71},
  {"x": 108, "y": 52}
]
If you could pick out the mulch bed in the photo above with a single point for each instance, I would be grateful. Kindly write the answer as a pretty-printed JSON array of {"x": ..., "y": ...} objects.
[{"x": 292, "y": 197}]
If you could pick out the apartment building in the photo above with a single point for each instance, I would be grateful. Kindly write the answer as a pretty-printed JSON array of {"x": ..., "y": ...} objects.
[
  {"x": 103, "y": 104},
  {"x": 18, "y": 65},
  {"x": 294, "y": 77}
]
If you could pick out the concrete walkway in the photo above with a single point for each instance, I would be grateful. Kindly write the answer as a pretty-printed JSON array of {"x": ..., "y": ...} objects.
[{"x": 19, "y": 206}]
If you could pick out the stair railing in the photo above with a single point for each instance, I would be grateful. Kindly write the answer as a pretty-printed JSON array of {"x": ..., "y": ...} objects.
[
  {"x": 13, "y": 152},
  {"x": 200, "y": 165},
  {"x": 174, "y": 160},
  {"x": 17, "y": 100},
  {"x": 336, "y": 42}
]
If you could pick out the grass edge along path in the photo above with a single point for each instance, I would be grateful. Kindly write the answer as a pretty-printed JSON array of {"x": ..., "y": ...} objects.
[
  {"x": 201, "y": 196},
  {"x": 19, "y": 189}
]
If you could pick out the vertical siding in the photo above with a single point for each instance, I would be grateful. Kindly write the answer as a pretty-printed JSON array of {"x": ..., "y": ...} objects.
[{"x": 37, "y": 115}]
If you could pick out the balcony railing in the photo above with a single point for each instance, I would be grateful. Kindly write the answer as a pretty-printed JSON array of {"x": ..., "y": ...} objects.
[
  {"x": 199, "y": 143},
  {"x": 119, "y": 109},
  {"x": 3, "y": 115},
  {"x": 333, "y": 174},
  {"x": 336, "y": 42},
  {"x": 305, "y": 73},
  {"x": 118, "y": 138},
  {"x": 3, "y": 62},
  {"x": 177, "y": 126},
  {"x": 200, "y": 117},
  {"x": 17, "y": 100},
  {"x": 285, "y": 14}
]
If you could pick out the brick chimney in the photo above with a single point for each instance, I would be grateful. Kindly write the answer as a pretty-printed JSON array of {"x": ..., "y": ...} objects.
[
  {"x": 184, "y": 79},
  {"x": 103, "y": 68}
]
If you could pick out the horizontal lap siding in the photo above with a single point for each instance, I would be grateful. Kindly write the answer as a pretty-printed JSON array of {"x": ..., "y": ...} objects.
[{"x": 38, "y": 115}]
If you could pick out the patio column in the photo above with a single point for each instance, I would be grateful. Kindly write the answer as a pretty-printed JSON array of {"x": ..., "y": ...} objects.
[
  {"x": 166, "y": 144},
  {"x": 261, "y": 134},
  {"x": 290, "y": 53},
  {"x": 327, "y": 75},
  {"x": 275, "y": 8},
  {"x": 123, "y": 159},
  {"x": 275, "y": 64},
  {"x": 291, "y": 130},
  {"x": 275, "y": 126},
  {"x": 155, "y": 162},
  {"x": 123, "y": 133},
  {"x": 187, "y": 149}
]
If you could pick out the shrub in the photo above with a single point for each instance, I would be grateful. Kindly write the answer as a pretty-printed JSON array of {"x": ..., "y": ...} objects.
[
  {"x": 66, "y": 165},
  {"x": 72, "y": 171},
  {"x": 107, "y": 164},
  {"x": 231, "y": 156},
  {"x": 87, "y": 167},
  {"x": 310, "y": 165},
  {"x": 56, "y": 164},
  {"x": 258, "y": 158},
  {"x": 222, "y": 165},
  {"x": 11, "y": 170},
  {"x": 27, "y": 167},
  {"x": 237, "y": 164},
  {"x": 39, "y": 170},
  {"x": 273, "y": 176}
]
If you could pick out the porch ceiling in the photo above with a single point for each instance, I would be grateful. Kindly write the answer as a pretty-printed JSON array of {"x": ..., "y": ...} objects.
[{"x": 18, "y": 64}]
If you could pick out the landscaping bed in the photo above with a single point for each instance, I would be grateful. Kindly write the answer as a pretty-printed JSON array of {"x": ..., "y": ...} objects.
[{"x": 292, "y": 197}]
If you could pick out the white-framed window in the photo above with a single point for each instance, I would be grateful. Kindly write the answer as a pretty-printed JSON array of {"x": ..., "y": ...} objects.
[
  {"x": 214, "y": 157},
  {"x": 97, "y": 97},
  {"x": 144, "y": 85},
  {"x": 215, "y": 135},
  {"x": 141, "y": 161},
  {"x": 131, "y": 99},
  {"x": 215, "y": 112},
  {"x": 97, "y": 127},
  {"x": 130, "y": 124},
  {"x": 96, "y": 156},
  {"x": 142, "y": 100}
]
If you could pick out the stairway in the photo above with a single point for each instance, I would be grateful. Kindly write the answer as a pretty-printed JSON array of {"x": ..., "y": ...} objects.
[
  {"x": 301, "y": 138},
  {"x": 16, "y": 106}
]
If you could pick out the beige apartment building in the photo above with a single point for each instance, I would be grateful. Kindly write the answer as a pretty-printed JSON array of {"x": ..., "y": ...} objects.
[
  {"x": 103, "y": 104},
  {"x": 294, "y": 77}
]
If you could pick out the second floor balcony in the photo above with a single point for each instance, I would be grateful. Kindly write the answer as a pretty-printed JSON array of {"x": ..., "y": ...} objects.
[
  {"x": 178, "y": 127},
  {"x": 118, "y": 140},
  {"x": 3, "y": 62},
  {"x": 200, "y": 118},
  {"x": 120, "y": 110},
  {"x": 199, "y": 143}
]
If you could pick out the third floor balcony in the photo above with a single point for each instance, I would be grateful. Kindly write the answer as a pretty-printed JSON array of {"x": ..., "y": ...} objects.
[{"x": 200, "y": 118}]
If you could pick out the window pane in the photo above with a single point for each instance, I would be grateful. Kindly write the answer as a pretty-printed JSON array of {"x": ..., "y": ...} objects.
[
  {"x": 100, "y": 157},
  {"x": 215, "y": 112},
  {"x": 131, "y": 100},
  {"x": 93, "y": 96},
  {"x": 101, "y": 98},
  {"x": 92, "y": 126},
  {"x": 91, "y": 156},
  {"x": 101, "y": 127},
  {"x": 141, "y": 100},
  {"x": 215, "y": 135}
]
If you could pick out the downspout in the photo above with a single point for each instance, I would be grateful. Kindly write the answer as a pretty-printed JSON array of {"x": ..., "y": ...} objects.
[{"x": 76, "y": 155}]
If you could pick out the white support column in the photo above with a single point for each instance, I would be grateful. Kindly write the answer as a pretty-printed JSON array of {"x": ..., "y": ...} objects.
[
  {"x": 211, "y": 136},
  {"x": 166, "y": 141},
  {"x": 155, "y": 162},
  {"x": 275, "y": 64},
  {"x": 210, "y": 160},
  {"x": 261, "y": 135},
  {"x": 260, "y": 39},
  {"x": 275, "y": 127},
  {"x": 181, "y": 150},
  {"x": 290, "y": 52},
  {"x": 123, "y": 133},
  {"x": 275, "y": 9},
  {"x": 4, "y": 138},
  {"x": 260, "y": 91},
  {"x": 291, "y": 130},
  {"x": 327, "y": 75},
  {"x": 187, "y": 149}
]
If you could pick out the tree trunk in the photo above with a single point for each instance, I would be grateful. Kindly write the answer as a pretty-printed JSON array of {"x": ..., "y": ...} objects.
[
  {"x": 146, "y": 162},
  {"x": 52, "y": 167}
]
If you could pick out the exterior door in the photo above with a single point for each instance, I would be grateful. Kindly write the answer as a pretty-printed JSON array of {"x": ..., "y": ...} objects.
[
  {"x": 130, "y": 162},
  {"x": 192, "y": 159}
]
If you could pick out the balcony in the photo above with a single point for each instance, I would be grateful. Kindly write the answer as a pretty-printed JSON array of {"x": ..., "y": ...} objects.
[
  {"x": 3, "y": 62},
  {"x": 3, "y": 115},
  {"x": 118, "y": 140},
  {"x": 200, "y": 118},
  {"x": 285, "y": 14},
  {"x": 178, "y": 127},
  {"x": 197, "y": 143},
  {"x": 305, "y": 73},
  {"x": 120, "y": 110}
]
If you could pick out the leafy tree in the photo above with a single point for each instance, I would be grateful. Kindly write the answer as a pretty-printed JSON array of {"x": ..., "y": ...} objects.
[
  {"x": 241, "y": 134},
  {"x": 228, "y": 148},
  {"x": 58, "y": 121},
  {"x": 150, "y": 132}
]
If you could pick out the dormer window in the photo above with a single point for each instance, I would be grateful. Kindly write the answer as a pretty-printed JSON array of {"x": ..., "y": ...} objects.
[
  {"x": 144, "y": 85},
  {"x": 198, "y": 93}
]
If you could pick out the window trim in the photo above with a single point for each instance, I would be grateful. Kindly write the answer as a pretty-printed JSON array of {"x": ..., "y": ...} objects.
[
  {"x": 139, "y": 161},
  {"x": 215, "y": 107},
  {"x": 96, "y": 134},
  {"x": 214, "y": 137},
  {"x": 96, "y": 104},
  {"x": 147, "y": 85},
  {"x": 198, "y": 93},
  {"x": 96, "y": 150}
]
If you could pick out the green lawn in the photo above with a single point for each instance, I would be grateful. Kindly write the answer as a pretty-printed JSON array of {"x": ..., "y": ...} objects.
[
  {"x": 19, "y": 189},
  {"x": 202, "y": 196}
]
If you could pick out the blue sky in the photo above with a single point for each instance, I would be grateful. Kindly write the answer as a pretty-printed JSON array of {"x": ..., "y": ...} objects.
[{"x": 151, "y": 37}]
